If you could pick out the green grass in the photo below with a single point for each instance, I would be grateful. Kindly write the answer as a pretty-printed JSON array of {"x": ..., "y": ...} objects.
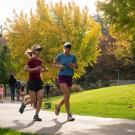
[
  {"x": 6, "y": 131},
  {"x": 104, "y": 102}
]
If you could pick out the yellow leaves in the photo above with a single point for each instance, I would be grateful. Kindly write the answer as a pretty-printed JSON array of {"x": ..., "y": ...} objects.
[
  {"x": 50, "y": 27},
  {"x": 122, "y": 43}
]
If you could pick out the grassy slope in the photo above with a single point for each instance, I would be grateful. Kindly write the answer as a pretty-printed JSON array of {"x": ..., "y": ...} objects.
[{"x": 105, "y": 102}]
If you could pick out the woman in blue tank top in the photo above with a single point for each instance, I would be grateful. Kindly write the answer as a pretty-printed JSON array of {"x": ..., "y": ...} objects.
[{"x": 66, "y": 62}]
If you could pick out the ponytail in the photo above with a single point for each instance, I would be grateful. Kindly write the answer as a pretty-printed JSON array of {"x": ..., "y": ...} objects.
[{"x": 29, "y": 53}]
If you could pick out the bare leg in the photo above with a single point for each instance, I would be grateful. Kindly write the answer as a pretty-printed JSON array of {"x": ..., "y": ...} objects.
[
  {"x": 40, "y": 95},
  {"x": 32, "y": 98},
  {"x": 65, "y": 100}
]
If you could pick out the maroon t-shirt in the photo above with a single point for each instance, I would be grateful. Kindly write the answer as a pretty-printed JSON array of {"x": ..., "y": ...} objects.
[{"x": 32, "y": 63}]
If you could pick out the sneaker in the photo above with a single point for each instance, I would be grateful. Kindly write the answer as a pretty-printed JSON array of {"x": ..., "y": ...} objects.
[
  {"x": 70, "y": 118},
  {"x": 36, "y": 118},
  {"x": 21, "y": 110},
  {"x": 57, "y": 110}
]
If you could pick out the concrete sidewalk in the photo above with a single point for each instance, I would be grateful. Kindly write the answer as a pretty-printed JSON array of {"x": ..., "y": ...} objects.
[{"x": 52, "y": 125}]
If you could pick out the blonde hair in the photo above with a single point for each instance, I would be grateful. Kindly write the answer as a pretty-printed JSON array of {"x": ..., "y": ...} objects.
[{"x": 28, "y": 53}]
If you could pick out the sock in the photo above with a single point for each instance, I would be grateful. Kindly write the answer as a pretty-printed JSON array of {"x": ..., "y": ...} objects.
[{"x": 36, "y": 113}]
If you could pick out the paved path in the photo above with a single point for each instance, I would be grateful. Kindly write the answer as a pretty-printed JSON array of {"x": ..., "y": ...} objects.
[{"x": 52, "y": 125}]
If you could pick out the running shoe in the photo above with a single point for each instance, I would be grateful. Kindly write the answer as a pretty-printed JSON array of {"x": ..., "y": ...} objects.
[
  {"x": 36, "y": 118},
  {"x": 21, "y": 110},
  {"x": 70, "y": 118}
]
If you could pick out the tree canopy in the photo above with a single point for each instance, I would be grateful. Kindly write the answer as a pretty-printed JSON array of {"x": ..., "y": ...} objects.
[
  {"x": 51, "y": 26},
  {"x": 121, "y": 16}
]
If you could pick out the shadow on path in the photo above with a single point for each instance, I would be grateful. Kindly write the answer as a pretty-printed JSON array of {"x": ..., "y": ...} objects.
[
  {"x": 53, "y": 130},
  {"x": 113, "y": 129},
  {"x": 19, "y": 126}
]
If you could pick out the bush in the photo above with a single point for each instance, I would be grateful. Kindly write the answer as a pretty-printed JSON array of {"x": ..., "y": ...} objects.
[
  {"x": 54, "y": 91},
  {"x": 76, "y": 88}
]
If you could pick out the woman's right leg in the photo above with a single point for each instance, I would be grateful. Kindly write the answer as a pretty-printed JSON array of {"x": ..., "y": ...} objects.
[
  {"x": 32, "y": 99},
  {"x": 65, "y": 90}
]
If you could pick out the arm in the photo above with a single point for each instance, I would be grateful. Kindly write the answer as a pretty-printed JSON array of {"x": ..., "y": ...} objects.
[
  {"x": 27, "y": 68},
  {"x": 74, "y": 64},
  {"x": 57, "y": 64}
]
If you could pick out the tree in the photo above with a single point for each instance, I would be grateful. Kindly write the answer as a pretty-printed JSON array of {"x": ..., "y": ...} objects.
[
  {"x": 121, "y": 16},
  {"x": 51, "y": 26},
  {"x": 5, "y": 64},
  {"x": 115, "y": 61}
]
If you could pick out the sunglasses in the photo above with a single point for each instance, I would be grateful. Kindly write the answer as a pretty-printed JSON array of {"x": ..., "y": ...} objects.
[
  {"x": 38, "y": 49},
  {"x": 68, "y": 46}
]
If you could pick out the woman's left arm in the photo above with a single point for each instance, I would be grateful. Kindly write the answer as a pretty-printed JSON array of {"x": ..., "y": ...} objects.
[{"x": 74, "y": 64}]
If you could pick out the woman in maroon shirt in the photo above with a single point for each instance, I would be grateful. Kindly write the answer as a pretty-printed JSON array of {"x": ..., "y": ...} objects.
[{"x": 34, "y": 84}]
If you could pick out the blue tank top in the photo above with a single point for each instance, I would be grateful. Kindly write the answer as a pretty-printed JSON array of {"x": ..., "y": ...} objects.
[{"x": 66, "y": 60}]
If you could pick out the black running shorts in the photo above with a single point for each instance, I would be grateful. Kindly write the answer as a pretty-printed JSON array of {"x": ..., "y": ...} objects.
[{"x": 35, "y": 85}]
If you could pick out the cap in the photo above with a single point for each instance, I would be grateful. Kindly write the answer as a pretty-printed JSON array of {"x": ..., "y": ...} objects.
[
  {"x": 36, "y": 47},
  {"x": 67, "y": 44}
]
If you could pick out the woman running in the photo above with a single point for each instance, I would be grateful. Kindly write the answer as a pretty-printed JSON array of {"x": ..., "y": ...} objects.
[
  {"x": 66, "y": 62},
  {"x": 34, "y": 84}
]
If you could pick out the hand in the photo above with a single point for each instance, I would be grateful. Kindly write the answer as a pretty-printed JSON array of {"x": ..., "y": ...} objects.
[
  {"x": 44, "y": 69},
  {"x": 61, "y": 66},
  {"x": 38, "y": 68},
  {"x": 72, "y": 65}
]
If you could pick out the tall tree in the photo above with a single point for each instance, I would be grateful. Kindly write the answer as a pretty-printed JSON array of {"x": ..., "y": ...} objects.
[{"x": 51, "y": 26}]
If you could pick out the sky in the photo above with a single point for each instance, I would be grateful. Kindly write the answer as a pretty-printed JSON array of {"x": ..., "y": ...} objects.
[{"x": 7, "y": 6}]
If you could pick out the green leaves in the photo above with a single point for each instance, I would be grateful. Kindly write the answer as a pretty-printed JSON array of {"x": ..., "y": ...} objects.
[
  {"x": 121, "y": 16},
  {"x": 5, "y": 64}
]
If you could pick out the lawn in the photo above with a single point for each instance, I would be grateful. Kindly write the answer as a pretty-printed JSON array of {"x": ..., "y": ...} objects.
[
  {"x": 104, "y": 102},
  {"x": 6, "y": 131}
]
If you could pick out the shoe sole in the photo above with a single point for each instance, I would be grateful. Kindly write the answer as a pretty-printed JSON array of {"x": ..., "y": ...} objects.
[
  {"x": 21, "y": 111},
  {"x": 37, "y": 120},
  {"x": 71, "y": 120}
]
